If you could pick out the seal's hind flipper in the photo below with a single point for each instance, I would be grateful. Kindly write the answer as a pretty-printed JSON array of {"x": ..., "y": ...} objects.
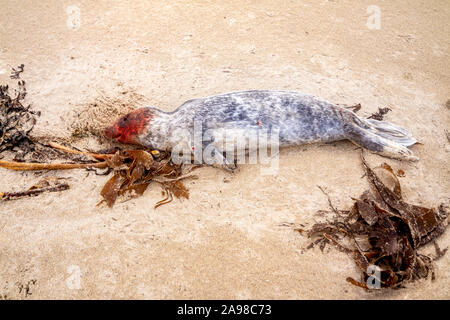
[
  {"x": 379, "y": 144},
  {"x": 392, "y": 132}
]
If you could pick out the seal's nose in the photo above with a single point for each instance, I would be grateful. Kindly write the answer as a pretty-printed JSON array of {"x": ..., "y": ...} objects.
[{"x": 111, "y": 132}]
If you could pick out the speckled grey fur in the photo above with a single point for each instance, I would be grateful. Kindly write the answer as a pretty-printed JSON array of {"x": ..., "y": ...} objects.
[{"x": 299, "y": 118}]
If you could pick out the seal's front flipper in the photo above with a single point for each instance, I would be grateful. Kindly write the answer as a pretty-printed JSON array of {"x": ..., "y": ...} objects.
[
  {"x": 215, "y": 157},
  {"x": 379, "y": 144}
]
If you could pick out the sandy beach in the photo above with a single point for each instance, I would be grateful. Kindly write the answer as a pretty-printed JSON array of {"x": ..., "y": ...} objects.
[{"x": 88, "y": 62}]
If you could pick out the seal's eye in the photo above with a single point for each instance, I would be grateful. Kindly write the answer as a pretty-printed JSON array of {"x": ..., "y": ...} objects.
[{"x": 123, "y": 122}]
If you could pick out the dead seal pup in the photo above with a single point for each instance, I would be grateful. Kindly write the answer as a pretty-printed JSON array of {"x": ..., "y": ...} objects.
[{"x": 296, "y": 117}]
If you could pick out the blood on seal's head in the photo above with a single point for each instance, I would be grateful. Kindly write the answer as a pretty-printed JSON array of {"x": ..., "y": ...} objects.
[{"x": 127, "y": 128}]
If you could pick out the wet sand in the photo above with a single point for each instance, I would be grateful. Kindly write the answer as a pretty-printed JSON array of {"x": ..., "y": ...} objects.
[{"x": 229, "y": 240}]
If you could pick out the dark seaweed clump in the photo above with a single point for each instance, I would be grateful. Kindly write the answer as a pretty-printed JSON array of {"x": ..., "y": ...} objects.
[
  {"x": 16, "y": 119},
  {"x": 382, "y": 234}
]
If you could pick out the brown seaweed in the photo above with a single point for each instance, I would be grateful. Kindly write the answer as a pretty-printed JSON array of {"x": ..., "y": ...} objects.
[
  {"x": 44, "y": 185},
  {"x": 379, "y": 115},
  {"x": 15, "y": 74},
  {"x": 355, "y": 108},
  {"x": 134, "y": 170},
  {"x": 16, "y": 119},
  {"x": 382, "y": 233}
]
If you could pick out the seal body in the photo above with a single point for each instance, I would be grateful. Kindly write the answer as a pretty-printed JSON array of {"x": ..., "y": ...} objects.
[{"x": 297, "y": 118}]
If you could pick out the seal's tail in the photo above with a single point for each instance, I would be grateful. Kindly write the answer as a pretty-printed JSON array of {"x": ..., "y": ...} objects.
[{"x": 381, "y": 137}]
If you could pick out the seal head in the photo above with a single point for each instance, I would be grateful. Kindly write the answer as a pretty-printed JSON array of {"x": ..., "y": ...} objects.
[{"x": 128, "y": 128}]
